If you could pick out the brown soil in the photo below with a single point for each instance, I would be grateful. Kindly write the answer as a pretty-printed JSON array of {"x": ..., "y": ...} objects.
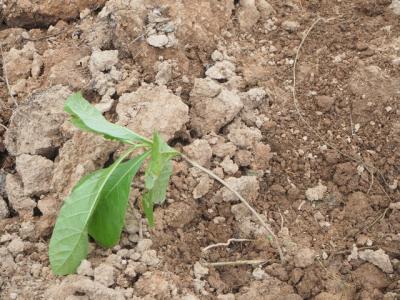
[{"x": 344, "y": 133}]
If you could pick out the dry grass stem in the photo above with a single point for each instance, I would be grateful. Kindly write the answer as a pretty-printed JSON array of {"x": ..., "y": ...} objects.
[
  {"x": 225, "y": 244},
  {"x": 244, "y": 201}
]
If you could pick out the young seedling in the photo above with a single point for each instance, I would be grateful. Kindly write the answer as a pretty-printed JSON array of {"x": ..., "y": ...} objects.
[{"x": 97, "y": 204}]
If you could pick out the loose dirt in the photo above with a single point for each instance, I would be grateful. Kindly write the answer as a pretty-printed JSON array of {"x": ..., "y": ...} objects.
[{"x": 216, "y": 79}]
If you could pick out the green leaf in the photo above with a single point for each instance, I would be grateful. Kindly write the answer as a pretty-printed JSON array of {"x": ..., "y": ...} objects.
[
  {"x": 88, "y": 118},
  {"x": 161, "y": 153},
  {"x": 148, "y": 208},
  {"x": 69, "y": 241},
  {"x": 159, "y": 190},
  {"x": 108, "y": 218},
  {"x": 157, "y": 194},
  {"x": 157, "y": 175}
]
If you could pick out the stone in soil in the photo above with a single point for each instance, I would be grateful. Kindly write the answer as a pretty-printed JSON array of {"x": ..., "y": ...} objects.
[
  {"x": 164, "y": 73},
  {"x": 395, "y": 7},
  {"x": 246, "y": 186},
  {"x": 4, "y": 213},
  {"x": 265, "y": 8},
  {"x": 213, "y": 107},
  {"x": 48, "y": 205},
  {"x": 304, "y": 258},
  {"x": 222, "y": 149},
  {"x": 77, "y": 284},
  {"x": 290, "y": 26},
  {"x": 217, "y": 56},
  {"x": 132, "y": 220},
  {"x": 101, "y": 61},
  {"x": 259, "y": 274},
  {"x": 316, "y": 193},
  {"x": 395, "y": 205},
  {"x": 230, "y": 168},
  {"x": 222, "y": 70},
  {"x": 156, "y": 285},
  {"x": 85, "y": 268},
  {"x": 42, "y": 14},
  {"x": 203, "y": 187},
  {"x": 244, "y": 136},
  {"x": 143, "y": 245},
  {"x": 152, "y": 108},
  {"x": 205, "y": 87},
  {"x": 35, "y": 125},
  {"x": 248, "y": 14},
  {"x": 16, "y": 196},
  {"x": 378, "y": 258},
  {"x": 199, "y": 270},
  {"x": 243, "y": 158},
  {"x": 262, "y": 156},
  {"x": 16, "y": 246},
  {"x": 158, "y": 40},
  {"x": 36, "y": 173},
  {"x": 102, "y": 66},
  {"x": 149, "y": 257},
  {"x": 99, "y": 35},
  {"x": 18, "y": 63},
  {"x": 253, "y": 98},
  {"x": 240, "y": 211},
  {"x": 104, "y": 274},
  {"x": 200, "y": 151},
  {"x": 27, "y": 230}
]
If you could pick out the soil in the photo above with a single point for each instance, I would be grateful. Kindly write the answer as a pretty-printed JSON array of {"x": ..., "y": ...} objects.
[{"x": 216, "y": 79}]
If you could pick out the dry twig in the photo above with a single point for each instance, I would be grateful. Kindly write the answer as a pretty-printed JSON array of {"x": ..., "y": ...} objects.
[
  {"x": 380, "y": 217},
  {"x": 249, "y": 207},
  {"x": 225, "y": 244},
  {"x": 235, "y": 263}
]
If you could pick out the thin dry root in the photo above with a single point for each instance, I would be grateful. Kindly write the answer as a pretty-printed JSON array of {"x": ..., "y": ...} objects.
[
  {"x": 225, "y": 244},
  {"x": 252, "y": 210},
  {"x": 235, "y": 263}
]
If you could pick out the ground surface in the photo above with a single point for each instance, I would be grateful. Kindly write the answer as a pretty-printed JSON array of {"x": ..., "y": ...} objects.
[{"x": 216, "y": 79}]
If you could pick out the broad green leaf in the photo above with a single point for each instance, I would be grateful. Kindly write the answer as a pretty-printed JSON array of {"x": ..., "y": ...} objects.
[
  {"x": 159, "y": 190},
  {"x": 69, "y": 241},
  {"x": 157, "y": 194},
  {"x": 157, "y": 175},
  {"x": 88, "y": 118},
  {"x": 161, "y": 153},
  {"x": 108, "y": 218}
]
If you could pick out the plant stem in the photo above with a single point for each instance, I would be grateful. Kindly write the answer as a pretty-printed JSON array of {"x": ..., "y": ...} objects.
[{"x": 252, "y": 210}]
